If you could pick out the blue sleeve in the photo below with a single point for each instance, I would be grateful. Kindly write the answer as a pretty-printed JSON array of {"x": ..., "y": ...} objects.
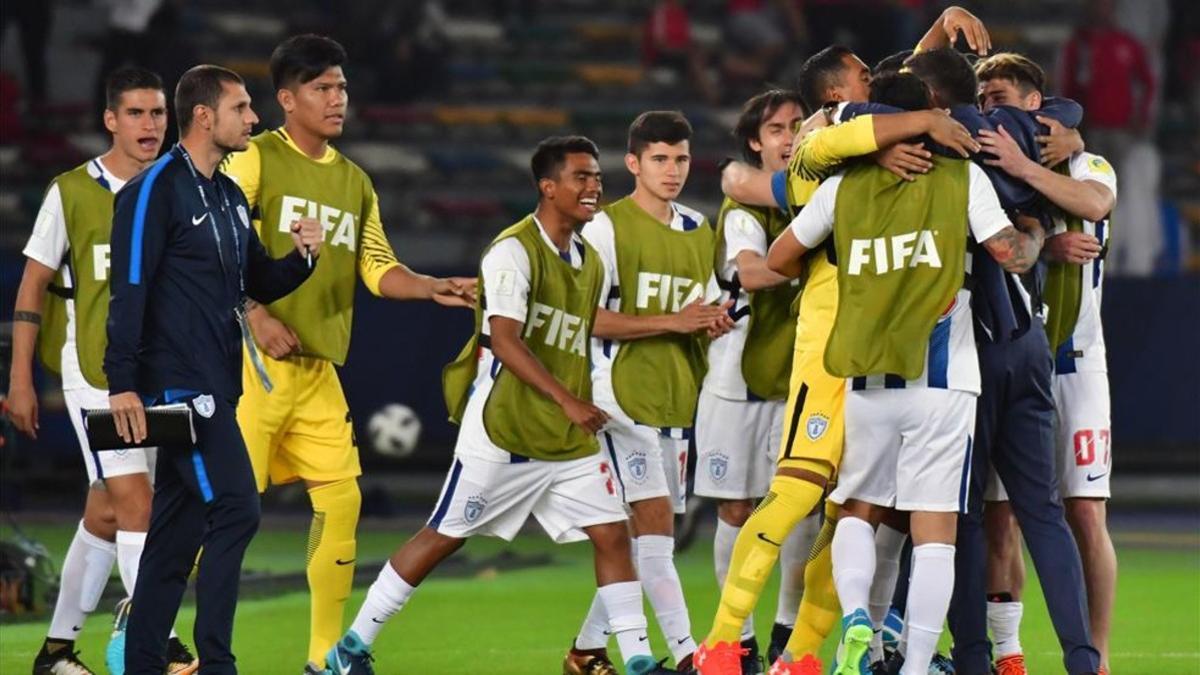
[
  {"x": 779, "y": 190},
  {"x": 269, "y": 279},
  {"x": 1013, "y": 193},
  {"x": 141, "y": 224},
  {"x": 1067, "y": 112},
  {"x": 853, "y": 110}
]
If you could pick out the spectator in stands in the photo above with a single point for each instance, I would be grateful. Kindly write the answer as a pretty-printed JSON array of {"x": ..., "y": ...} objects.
[
  {"x": 33, "y": 21},
  {"x": 667, "y": 41},
  {"x": 758, "y": 35},
  {"x": 1107, "y": 70},
  {"x": 1103, "y": 67}
]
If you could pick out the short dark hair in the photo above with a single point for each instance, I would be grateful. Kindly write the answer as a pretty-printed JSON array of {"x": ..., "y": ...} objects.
[
  {"x": 891, "y": 64},
  {"x": 820, "y": 72},
  {"x": 756, "y": 111},
  {"x": 302, "y": 58},
  {"x": 125, "y": 79},
  {"x": 1022, "y": 71},
  {"x": 200, "y": 85},
  {"x": 657, "y": 126},
  {"x": 901, "y": 90},
  {"x": 947, "y": 73},
  {"x": 551, "y": 155}
]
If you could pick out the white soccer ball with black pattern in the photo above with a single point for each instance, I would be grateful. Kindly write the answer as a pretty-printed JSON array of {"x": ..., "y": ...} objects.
[{"x": 395, "y": 430}]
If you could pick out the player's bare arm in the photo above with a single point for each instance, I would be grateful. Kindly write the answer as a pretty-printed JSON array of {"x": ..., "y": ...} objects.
[
  {"x": 1086, "y": 199},
  {"x": 1060, "y": 144},
  {"x": 786, "y": 256},
  {"x": 747, "y": 185},
  {"x": 22, "y": 403},
  {"x": 508, "y": 346},
  {"x": 401, "y": 283},
  {"x": 1016, "y": 251},
  {"x": 754, "y": 274},
  {"x": 945, "y": 29},
  {"x": 1076, "y": 248},
  {"x": 696, "y": 317}
]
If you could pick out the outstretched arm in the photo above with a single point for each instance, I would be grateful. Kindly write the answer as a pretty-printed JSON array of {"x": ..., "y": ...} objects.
[{"x": 945, "y": 30}]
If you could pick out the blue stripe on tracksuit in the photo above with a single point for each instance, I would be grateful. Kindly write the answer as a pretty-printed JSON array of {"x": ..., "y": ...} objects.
[{"x": 139, "y": 218}]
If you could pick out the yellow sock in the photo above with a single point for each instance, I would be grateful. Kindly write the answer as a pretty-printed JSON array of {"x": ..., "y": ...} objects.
[
  {"x": 819, "y": 609},
  {"x": 330, "y": 565},
  {"x": 757, "y": 550}
]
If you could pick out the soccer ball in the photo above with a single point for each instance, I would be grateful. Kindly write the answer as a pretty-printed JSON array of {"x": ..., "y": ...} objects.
[{"x": 394, "y": 430}]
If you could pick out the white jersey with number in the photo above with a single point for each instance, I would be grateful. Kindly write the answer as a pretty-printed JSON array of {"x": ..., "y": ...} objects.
[
  {"x": 1084, "y": 351},
  {"x": 48, "y": 244},
  {"x": 951, "y": 362}
]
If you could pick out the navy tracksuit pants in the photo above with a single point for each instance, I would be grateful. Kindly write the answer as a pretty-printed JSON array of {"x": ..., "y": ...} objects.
[
  {"x": 1014, "y": 429},
  {"x": 203, "y": 496}
]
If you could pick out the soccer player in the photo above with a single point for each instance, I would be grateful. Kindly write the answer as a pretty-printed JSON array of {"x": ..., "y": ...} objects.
[
  {"x": 739, "y": 418},
  {"x": 649, "y": 357},
  {"x": 901, "y": 258},
  {"x": 1084, "y": 189},
  {"x": 521, "y": 389},
  {"x": 184, "y": 259},
  {"x": 812, "y": 444},
  {"x": 301, "y": 429},
  {"x": 71, "y": 235}
]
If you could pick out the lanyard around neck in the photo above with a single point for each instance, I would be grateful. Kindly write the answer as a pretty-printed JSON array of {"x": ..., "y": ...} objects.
[{"x": 212, "y": 219}]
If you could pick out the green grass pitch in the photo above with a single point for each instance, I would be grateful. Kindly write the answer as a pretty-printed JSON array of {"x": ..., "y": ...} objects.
[{"x": 521, "y": 622}]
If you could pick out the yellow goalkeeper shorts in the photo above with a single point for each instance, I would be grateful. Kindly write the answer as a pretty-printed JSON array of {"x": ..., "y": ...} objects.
[
  {"x": 813, "y": 423},
  {"x": 302, "y": 429}
]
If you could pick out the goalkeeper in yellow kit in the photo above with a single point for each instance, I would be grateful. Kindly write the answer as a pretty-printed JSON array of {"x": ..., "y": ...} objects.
[{"x": 301, "y": 430}]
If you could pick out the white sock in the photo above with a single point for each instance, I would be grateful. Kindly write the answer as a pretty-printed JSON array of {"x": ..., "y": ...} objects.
[
  {"x": 793, "y": 558},
  {"x": 853, "y": 553},
  {"x": 929, "y": 594},
  {"x": 889, "y": 543},
  {"x": 622, "y": 602},
  {"x": 85, "y": 573},
  {"x": 1004, "y": 622},
  {"x": 656, "y": 568},
  {"x": 129, "y": 556},
  {"x": 385, "y": 597},
  {"x": 593, "y": 634},
  {"x": 723, "y": 542}
]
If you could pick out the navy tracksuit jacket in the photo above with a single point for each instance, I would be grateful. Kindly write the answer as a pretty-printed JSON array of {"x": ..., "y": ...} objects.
[{"x": 173, "y": 337}]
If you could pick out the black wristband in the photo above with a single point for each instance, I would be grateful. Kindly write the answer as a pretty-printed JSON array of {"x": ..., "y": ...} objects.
[
  {"x": 28, "y": 317},
  {"x": 724, "y": 163}
]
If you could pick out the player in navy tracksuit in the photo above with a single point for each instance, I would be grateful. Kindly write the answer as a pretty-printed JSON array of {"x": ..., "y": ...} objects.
[
  {"x": 1015, "y": 413},
  {"x": 184, "y": 258}
]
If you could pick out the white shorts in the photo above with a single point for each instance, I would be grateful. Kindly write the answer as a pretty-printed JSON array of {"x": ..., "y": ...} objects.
[
  {"x": 106, "y": 463},
  {"x": 481, "y": 496},
  {"x": 736, "y": 446},
  {"x": 1082, "y": 434},
  {"x": 907, "y": 448}
]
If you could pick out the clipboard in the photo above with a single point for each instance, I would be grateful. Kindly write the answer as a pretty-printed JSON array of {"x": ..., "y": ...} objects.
[{"x": 166, "y": 425}]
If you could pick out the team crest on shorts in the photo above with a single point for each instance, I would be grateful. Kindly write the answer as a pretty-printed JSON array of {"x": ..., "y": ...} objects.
[
  {"x": 815, "y": 426},
  {"x": 718, "y": 466},
  {"x": 241, "y": 211},
  {"x": 474, "y": 508},
  {"x": 204, "y": 405},
  {"x": 637, "y": 466}
]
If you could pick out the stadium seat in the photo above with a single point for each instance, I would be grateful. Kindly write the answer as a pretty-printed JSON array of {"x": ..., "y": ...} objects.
[{"x": 603, "y": 74}]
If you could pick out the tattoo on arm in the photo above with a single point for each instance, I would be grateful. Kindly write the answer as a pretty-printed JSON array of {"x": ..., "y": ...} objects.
[
  {"x": 28, "y": 317},
  {"x": 1013, "y": 249}
]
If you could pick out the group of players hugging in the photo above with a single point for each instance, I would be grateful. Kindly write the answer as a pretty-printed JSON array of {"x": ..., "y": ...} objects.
[{"x": 894, "y": 321}]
